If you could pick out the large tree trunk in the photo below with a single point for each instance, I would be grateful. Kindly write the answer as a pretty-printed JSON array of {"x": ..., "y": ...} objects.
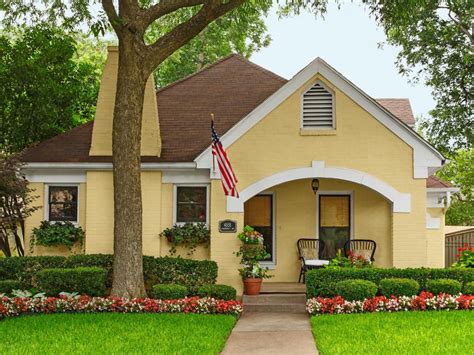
[{"x": 128, "y": 262}]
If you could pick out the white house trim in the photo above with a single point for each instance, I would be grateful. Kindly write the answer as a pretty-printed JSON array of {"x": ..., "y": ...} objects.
[
  {"x": 74, "y": 176},
  {"x": 432, "y": 222},
  {"x": 425, "y": 157},
  {"x": 106, "y": 166},
  {"x": 401, "y": 202},
  {"x": 439, "y": 197},
  {"x": 185, "y": 176}
]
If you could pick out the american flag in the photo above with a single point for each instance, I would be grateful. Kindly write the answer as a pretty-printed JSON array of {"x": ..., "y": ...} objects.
[{"x": 228, "y": 179}]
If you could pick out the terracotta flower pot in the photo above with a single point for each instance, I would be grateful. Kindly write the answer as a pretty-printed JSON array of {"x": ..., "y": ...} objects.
[{"x": 252, "y": 286}]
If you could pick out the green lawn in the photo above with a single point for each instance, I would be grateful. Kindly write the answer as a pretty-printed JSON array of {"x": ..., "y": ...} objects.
[
  {"x": 395, "y": 333},
  {"x": 113, "y": 333}
]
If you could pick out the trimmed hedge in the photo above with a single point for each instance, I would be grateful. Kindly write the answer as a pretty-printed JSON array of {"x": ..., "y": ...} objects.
[
  {"x": 192, "y": 273},
  {"x": 7, "y": 286},
  {"x": 448, "y": 286},
  {"x": 220, "y": 292},
  {"x": 322, "y": 282},
  {"x": 469, "y": 288},
  {"x": 356, "y": 290},
  {"x": 170, "y": 291},
  {"x": 84, "y": 280},
  {"x": 398, "y": 287}
]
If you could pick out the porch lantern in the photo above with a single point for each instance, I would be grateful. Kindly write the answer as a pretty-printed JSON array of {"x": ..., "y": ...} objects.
[{"x": 315, "y": 185}]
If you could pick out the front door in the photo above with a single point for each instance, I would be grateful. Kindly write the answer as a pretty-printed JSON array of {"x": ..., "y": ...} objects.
[
  {"x": 258, "y": 214},
  {"x": 334, "y": 221}
]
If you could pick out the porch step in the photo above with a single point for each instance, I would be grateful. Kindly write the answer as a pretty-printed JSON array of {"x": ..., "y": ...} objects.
[
  {"x": 276, "y": 303},
  {"x": 283, "y": 287}
]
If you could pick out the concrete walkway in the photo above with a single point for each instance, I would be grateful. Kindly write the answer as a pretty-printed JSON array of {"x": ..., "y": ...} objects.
[{"x": 271, "y": 333}]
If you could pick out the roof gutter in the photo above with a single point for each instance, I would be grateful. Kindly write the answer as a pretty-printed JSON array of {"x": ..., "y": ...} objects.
[{"x": 108, "y": 166}]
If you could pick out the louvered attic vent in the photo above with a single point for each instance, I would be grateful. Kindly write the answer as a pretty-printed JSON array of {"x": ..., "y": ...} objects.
[{"x": 318, "y": 108}]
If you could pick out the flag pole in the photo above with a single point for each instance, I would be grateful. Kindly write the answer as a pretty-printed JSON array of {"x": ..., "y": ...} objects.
[{"x": 213, "y": 158}]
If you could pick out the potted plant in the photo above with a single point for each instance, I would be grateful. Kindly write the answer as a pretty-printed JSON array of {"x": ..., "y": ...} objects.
[
  {"x": 188, "y": 235},
  {"x": 251, "y": 252}
]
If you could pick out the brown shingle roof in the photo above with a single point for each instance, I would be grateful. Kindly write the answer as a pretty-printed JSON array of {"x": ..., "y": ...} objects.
[
  {"x": 230, "y": 88},
  {"x": 435, "y": 182},
  {"x": 400, "y": 108}
]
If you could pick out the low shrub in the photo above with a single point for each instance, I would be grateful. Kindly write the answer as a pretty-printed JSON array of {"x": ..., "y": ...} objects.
[
  {"x": 84, "y": 280},
  {"x": 356, "y": 290},
  {"x": 321, "y": 282},
  {"x": 469, "y": 288},
  {"x": 170, "y": 291},
  {"x": 13, "y": 307},
  {"x": 7, "y": 286},
  {"x": 220, "y": 292},
  {"x": 192, "y": 273},
  {"x": 447, "y": 286},
  {"x": 398, "y": 287},
  {"x": 424, "y": 302}
]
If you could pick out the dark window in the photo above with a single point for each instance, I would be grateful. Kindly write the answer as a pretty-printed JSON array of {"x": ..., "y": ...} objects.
[
  {"x": 63, "y": 203},
  {"x": 258, "y": 213},
  {"x": 191, "y": 204},
  {"x": 334, "y": 223}
]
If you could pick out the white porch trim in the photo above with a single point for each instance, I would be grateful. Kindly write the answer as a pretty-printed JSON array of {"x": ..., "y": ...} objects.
[{"x": 401, "y": 202}]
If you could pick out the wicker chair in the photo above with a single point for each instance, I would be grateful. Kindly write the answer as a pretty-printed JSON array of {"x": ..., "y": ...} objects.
[
  {"x": 309, "y": 250},
  {"x": 365, "y": 247}
]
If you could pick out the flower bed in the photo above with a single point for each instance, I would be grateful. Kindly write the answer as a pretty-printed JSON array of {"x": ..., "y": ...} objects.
[
  {"x": 424, "y": 302},
  {"x": 15, "y": 306}
]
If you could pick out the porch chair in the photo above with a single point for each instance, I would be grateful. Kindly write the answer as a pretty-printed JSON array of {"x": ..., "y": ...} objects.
[
  {"x": 309, "y": 250},
  {"x": 364, "y": 247}
]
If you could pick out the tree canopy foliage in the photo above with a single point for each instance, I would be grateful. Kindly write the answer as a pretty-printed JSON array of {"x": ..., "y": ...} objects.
[
  {"x": 16, "y": 200},
  {"x": 436, "y": 43},
  {"x": 460, "y": 172},
  {"x": 242, "y": 31},
  {"x": 49, "y": 85}
]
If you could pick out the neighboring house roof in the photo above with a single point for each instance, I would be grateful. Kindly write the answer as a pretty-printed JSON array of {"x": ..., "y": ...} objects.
[
  {"x": 230, "y": 88},
  {"x": 400, "y": 108},
  {"x": 435, "y": 182}
]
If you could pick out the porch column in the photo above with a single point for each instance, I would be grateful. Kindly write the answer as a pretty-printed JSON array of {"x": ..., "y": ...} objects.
[
  {"x": 409, "y": 234},
  {"x": 223, "y": 245}
]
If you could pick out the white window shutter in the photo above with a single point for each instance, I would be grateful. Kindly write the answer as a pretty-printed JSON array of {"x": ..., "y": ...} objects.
[{"x": 318, "y": 108}]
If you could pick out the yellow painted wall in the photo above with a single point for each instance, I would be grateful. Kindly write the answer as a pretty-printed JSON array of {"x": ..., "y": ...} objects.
[
  {"x": 361, "y": 143},
  {"x": 102, "y": 133},
  {"x": 435, "y": 239},
  {"x": 223, "y": 245},
  {"x": 35, "y": 219},
  {"x": 100, "y": 212}
]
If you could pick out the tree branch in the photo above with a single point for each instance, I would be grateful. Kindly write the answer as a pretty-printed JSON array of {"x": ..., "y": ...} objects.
[
  {"x": 457, "y": 21},
  {"x": 112, "y": 15},
  {"x": 165, "y": 7},
  {"x": 181, "y": 34}
]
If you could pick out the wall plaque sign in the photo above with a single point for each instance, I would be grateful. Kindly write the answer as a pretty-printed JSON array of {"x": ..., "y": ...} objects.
[{"x": 227, "y": 226}]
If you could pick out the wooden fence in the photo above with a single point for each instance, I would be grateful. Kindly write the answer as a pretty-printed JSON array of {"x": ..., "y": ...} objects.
[{"x": 456, "y": 240}]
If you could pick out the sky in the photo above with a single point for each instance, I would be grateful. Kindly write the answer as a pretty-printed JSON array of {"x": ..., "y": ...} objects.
[{"x": 348, "y": 40}]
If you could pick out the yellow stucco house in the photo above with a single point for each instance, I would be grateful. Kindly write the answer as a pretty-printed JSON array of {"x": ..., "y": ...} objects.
[{"x": 373, "y": 169}]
